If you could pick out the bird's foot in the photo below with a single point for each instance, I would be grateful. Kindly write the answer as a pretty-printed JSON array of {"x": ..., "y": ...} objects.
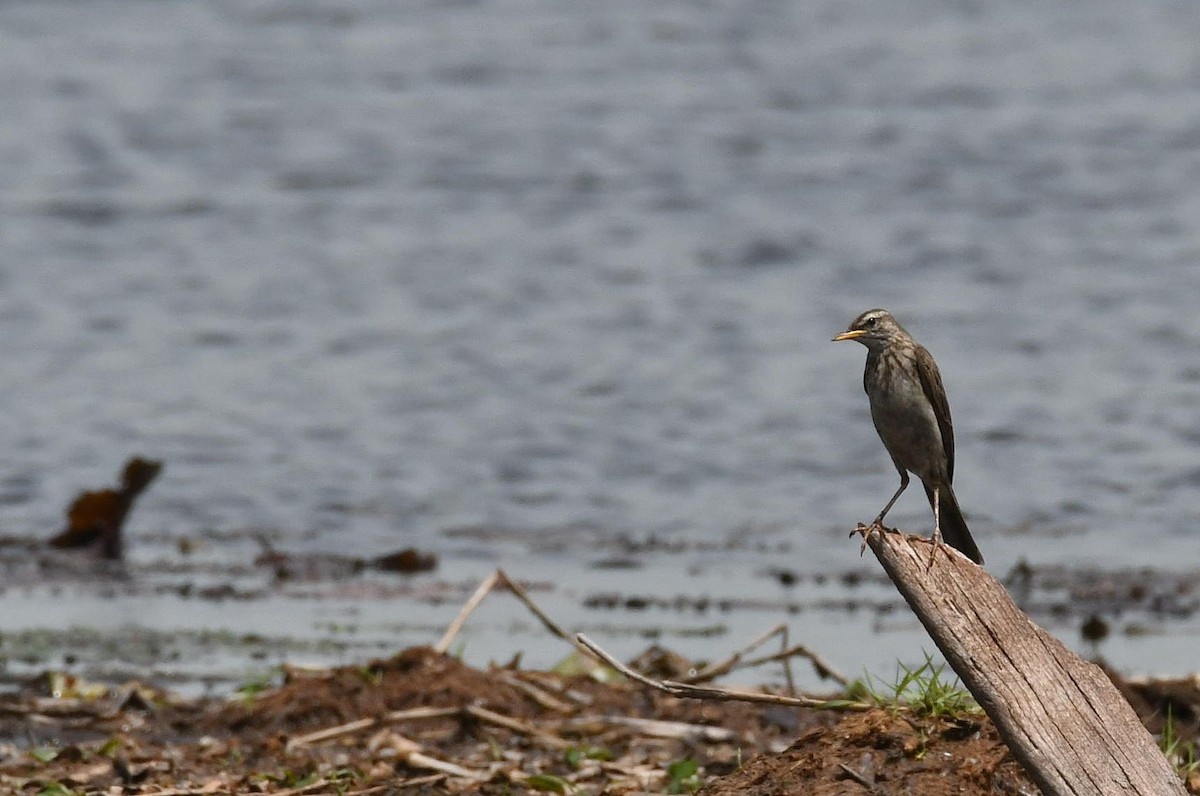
[
  {"x": 937, "y": 544},
  {"x": 866, "y": 531}
]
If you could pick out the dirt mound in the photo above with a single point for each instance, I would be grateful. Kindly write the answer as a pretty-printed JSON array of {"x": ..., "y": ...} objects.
[
  {"x": 417, "y": 677},
  {"x": 884, "y": 753}
]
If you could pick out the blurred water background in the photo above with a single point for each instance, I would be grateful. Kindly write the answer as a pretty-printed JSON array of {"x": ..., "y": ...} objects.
[{"x": 550, "y": 286}]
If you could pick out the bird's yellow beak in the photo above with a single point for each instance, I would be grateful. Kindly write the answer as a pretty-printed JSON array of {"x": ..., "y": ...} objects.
[{"x": 850, "y": 335}]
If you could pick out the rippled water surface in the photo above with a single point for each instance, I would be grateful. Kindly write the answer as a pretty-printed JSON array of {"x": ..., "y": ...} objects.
[{"x": 540, "y": 285}]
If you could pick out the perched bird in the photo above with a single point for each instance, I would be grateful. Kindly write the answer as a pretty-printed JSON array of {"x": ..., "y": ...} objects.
[{"x": 912, "y": 416}]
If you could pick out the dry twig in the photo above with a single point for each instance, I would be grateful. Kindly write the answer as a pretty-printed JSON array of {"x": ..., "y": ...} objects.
[
  {"x": 468, "y": 608},
  {"x": 737, "y": 659},
  {"x": 497, "y": 579},
  {"x": 535, "y": 693},
  {"x": 785, "y": 655},
  {"x": 721, "y": 694},
  {"x": 412, "y": 754},
  {"x": 857, "y": 777},
  {"x": 656, "y": 728},
  {"x": 821, "y": 666},
  {"x": 351, "y": 727},
  {"x": 520, "y": 727}
]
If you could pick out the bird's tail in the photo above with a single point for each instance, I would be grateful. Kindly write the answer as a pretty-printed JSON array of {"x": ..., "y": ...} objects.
[{"x": 954, "y": 528}]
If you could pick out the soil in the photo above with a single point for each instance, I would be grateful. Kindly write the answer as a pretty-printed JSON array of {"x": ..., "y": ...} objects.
[{"x": 424, "y": 723}]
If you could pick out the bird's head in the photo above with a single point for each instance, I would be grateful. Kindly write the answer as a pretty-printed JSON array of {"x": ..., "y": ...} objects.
[{"x": 874, "y": 329}]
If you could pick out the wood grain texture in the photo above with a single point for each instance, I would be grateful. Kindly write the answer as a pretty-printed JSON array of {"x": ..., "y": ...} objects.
[{"x": 1061, "y": 716}]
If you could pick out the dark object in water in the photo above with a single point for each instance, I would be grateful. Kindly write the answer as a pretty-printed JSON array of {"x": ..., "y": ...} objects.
[
  {"x": 318, "y": 566},
  {"x": 1094, "y": 629},
  {"x": 95, "y": 518},
  {"x": 406, "y": 561}
]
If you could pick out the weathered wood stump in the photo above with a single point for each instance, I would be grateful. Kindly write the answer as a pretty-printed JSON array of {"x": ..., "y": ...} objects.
[{"x": 1060, "y": 715}]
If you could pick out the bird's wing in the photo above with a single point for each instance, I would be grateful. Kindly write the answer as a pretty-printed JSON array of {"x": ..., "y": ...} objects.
[{"x": 931, "y": 383}]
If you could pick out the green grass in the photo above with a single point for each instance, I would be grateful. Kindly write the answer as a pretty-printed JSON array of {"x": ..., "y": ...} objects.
[
  {"x": 1183, "y": 755},
  {"x": 924, "y": 690},
  {"x": 683, "y": 776},
  {"x": 58, "y": 789},
  {"x": 550, "y": 784},
  {"x": 257, "y": 684},
  {"x": 575, "y": 755}
]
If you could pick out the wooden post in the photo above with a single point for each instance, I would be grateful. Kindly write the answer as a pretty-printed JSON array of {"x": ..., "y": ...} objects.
[{"x": 1061, "y": 716}]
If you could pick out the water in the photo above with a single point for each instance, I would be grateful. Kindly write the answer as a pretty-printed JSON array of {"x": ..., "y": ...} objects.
[{"x": 512, "y": 282}]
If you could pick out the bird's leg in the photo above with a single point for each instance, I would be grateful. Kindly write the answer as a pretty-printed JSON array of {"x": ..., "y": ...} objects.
[
  {"x": 937, "y": 532},
  {"x": 878, "y": 523}
]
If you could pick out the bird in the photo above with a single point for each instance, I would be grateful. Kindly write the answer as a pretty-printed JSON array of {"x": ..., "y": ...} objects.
[{"x": 911, "y": 414}]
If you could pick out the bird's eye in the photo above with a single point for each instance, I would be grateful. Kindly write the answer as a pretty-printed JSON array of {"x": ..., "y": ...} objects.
[{"x": 870, "y": 322}]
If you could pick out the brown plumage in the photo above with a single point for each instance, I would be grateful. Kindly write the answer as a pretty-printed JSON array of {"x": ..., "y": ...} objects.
[{"x": 912, "y": 416}]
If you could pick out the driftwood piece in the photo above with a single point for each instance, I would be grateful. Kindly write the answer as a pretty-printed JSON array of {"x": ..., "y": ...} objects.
[{"x": 1060, "y": 715}]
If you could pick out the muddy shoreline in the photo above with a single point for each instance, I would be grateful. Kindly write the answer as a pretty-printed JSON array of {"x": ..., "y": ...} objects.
[
  {"x": 92, "y": 709},
  {"x": 422, "y": 722},
  {"x": 203, "y": 618}
]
